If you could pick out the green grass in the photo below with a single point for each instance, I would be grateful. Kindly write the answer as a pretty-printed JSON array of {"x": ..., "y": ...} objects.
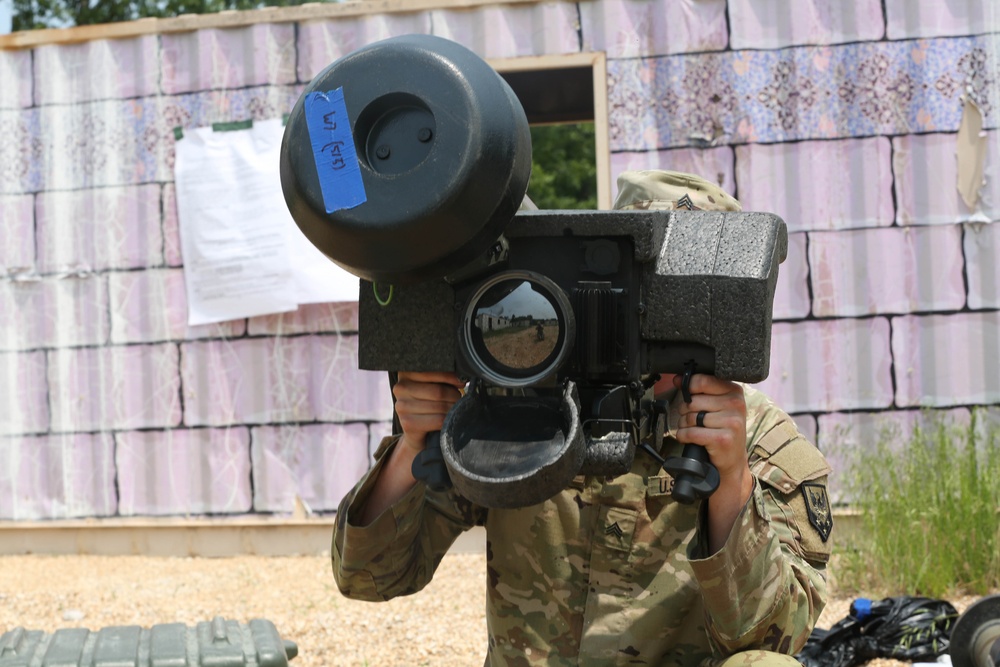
[{"x": 929, "y": 512}]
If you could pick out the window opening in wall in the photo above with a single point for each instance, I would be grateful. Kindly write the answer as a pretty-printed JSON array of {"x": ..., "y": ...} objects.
[
  {"x": 563, "y": 166},
  {"x": 565, "y": 100}
]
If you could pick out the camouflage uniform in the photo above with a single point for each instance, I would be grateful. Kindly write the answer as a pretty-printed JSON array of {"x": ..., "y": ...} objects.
[{"x": 614, "y": 571}]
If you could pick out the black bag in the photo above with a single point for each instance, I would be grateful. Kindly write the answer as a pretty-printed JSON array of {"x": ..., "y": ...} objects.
[{"x": 903, "y": 628}]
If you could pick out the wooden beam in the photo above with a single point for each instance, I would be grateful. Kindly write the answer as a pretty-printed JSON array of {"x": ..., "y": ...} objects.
[
  {"x": 552, "y": 61},
  {"x": 602, "y": 149},
  {"x": 237, "y": 19},
  {"x": 234, "y": 536},
  {"x": 186, "y": 537}
]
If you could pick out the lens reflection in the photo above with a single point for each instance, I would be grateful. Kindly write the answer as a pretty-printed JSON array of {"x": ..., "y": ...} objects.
[{"x": 518, "y": 326}]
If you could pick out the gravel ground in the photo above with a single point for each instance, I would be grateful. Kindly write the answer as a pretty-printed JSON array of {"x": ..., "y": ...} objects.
[{"x": 443, "y": 626}]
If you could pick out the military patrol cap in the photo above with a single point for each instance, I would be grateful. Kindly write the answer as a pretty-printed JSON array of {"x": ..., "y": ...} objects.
[{"x": 670, "y": 191}]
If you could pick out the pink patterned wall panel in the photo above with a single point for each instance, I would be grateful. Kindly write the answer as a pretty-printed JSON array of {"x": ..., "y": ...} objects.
[
  {"x": 19, "y": 301},
  {"x": 265, "y": 380},
  {"x": 635, "y": 28},
  {"x": 774, "y": 24},
  {"x": 864, "y": 89},
  {"x": 816, "y": 185},
  {"x": 54, "y": 312},
  {"x": 23, "y": 394},
  {"x": 17, "y": 238},
  {"x": 252, "y": 381},
  {"x": 826, "y": 365},
  {"x": 807, "y": 426},
  {"x": 511, "y": 31},
  {"x": 122, "y": 142},
  {"x": 129, "y": 68},
  {"x": 945, "y": 360},
  {"x": 309, "y": 318},
  {"x": 982, "y": 250},
  {"x": 21, "y": 151},
  {"x": 202, "y": 471},
  {"x": 75, "y": 312},
  {"x": 316, "y": 463},
  {"x": 909, "y": 19},
  {"x": 989, "y": 201},
  {"x": 887, "y": 270},
  {"x": 171, "y": 227},
  {"x": 91, "y": 144},
  {"x": 343, "y": 391},
  {"x": 791, "y": 296},
  {"x": 151, "y": 306},
  {"x": 93, "y": 389},
  {"x": 322, "y": 42},
  {"x": 841, "y": 436},
  {"x": 15, "y": 72},
  {"x": 212, "y": 59},
  {"x": 927, "y": 180},
  {"x": 63, "y": 476},
  {"x": 101, "y": 228}
]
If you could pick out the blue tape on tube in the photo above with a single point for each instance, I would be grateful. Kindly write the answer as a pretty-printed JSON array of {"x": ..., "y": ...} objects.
[{"x": 333, "y": 148}]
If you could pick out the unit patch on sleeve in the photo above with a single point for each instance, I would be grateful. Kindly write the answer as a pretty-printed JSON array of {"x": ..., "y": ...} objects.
[{"x": 818, "y": 508}]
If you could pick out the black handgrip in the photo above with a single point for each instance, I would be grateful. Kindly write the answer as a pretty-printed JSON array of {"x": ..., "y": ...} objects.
[
  {"x": 694, "y": 476},
  {"x": 429, "y": 467}
]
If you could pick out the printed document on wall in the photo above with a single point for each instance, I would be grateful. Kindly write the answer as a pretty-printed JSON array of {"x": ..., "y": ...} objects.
[{"x": 243, "y": 254}]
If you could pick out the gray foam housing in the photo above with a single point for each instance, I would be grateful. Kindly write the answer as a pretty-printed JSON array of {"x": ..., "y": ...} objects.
[{"x": 707, "y": 277}]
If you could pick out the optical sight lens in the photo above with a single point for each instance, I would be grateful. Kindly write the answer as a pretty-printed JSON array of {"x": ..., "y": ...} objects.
[{"x": 518, "y": 328}]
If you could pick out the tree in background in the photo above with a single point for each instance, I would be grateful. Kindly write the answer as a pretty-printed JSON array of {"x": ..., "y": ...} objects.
[
  {"x": 563, "y": 166},
  {"x": 36, "y": 14}
]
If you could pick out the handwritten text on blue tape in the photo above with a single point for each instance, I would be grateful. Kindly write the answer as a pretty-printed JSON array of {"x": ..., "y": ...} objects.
[{"x": 333, "y": 148}]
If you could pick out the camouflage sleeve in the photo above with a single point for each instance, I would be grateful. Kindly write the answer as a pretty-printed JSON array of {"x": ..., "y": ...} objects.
[
  {"x": 398, "y": 552},
  {"x": 766, "y": 587}
]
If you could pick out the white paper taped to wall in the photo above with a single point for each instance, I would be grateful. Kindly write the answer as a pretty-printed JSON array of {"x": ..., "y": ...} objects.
[{"x": 243, "y": 254}]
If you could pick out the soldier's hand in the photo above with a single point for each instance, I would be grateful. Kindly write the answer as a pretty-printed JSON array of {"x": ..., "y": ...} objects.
[
  {"x": 422, "y": 401},
  {"x": 723, "y": 429},
  {"x": 723, "y": 432}
]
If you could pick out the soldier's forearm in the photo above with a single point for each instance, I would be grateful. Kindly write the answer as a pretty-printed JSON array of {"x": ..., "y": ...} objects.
[
  {"x": 394, "y": 481},
  {"x": 724, "y": 506}
]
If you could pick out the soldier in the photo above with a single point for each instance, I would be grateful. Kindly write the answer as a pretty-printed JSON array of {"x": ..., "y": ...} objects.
[{"x": 614, "y": 571}]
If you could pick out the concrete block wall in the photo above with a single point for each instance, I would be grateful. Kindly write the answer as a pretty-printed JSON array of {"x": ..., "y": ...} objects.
[{"x": 840, "y": 117}]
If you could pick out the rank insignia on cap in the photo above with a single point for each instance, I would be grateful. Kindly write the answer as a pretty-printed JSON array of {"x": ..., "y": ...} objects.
[
  {"x": 685, "y": 204},
  {"x": 818, "y": 508}
]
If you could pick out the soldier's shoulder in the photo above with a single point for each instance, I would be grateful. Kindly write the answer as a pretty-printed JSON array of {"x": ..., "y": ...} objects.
[{"x": 796, "y": 473}]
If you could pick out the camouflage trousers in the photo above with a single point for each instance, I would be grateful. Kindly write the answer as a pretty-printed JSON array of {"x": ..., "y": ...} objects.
[{"x": 755, "y": 659}]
